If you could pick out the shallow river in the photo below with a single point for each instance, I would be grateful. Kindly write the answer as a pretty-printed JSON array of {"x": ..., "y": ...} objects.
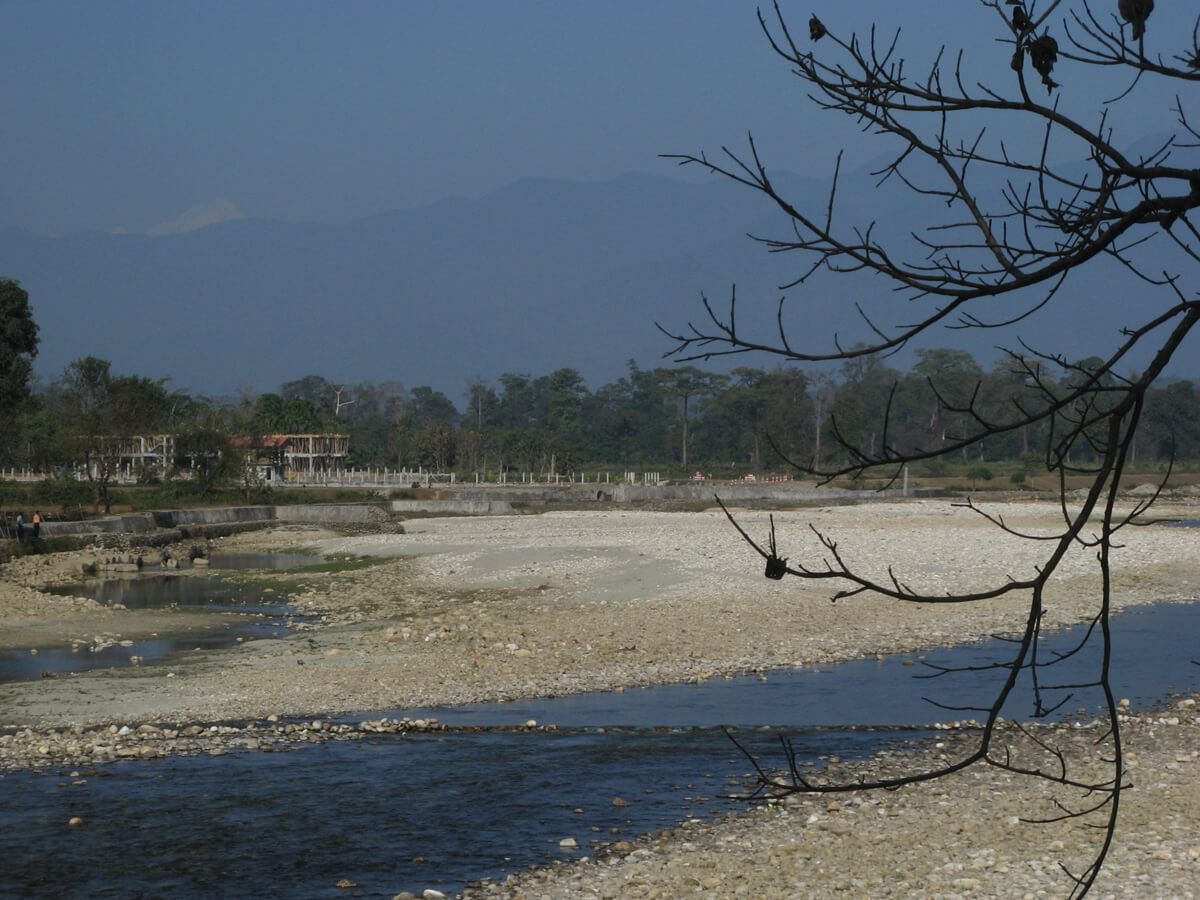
[{"x": 396, "y": 813}]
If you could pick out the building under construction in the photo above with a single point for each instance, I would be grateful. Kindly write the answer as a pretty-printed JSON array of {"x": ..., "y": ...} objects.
[
  {"x": 275, "y": 457},
  {"x": 295, "y": 457}
]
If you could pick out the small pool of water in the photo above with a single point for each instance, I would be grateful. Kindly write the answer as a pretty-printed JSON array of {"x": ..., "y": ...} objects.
[
  {"x": 54, "y": 662},
  {"x": 273, "y": 561},
  {"x": 258, "y": 613},
  {"x": 157, "y": 590}
]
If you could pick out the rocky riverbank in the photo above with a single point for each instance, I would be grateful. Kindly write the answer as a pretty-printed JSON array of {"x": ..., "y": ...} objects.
[
  {"x": 966, "y": 835},
  {"x": 53, "y": 749}
]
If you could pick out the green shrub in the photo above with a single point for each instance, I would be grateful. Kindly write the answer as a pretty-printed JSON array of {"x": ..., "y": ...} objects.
[
  {"x": 61, "y": 491},
  {"x": 13, "y": 493},
  {"x": 980, "y": 473}
]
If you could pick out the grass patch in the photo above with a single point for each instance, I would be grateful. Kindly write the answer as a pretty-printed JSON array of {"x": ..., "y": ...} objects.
[
  {"x": 293, "y": 581},
  {"x": 343, "y": 564}
]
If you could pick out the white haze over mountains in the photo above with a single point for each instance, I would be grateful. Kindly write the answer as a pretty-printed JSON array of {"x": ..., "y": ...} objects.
[{"x": 539, "y": 275}]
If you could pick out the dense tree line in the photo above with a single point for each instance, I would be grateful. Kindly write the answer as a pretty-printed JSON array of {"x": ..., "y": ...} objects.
[{"x": 677, "y": 416}]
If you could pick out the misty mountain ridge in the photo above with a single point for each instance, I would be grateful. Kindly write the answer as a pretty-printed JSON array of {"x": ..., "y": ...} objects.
[
  {"x": 538, "y": 275},
  {"x": 201, "y": 215}
]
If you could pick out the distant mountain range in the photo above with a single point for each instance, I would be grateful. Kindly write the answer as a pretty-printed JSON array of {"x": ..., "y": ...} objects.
[{"x": 539, "y": 275}]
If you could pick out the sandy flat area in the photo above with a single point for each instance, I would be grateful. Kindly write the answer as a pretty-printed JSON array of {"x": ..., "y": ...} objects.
[{"x": 474, "y": 609}]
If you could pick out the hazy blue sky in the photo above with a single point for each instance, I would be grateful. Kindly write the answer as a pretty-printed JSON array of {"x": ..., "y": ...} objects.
[{"x": 123, "y": 115}]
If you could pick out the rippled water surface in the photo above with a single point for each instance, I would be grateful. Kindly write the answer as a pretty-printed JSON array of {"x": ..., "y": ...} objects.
[
  {"x": 391, "y": 814},
  {"x": 1154, "y": 649},
  {"x": 399, "y": 813}
]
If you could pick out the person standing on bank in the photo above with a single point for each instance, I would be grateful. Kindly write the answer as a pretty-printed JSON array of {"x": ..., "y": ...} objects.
[
  {"x": 20, "y": 527},
  {"x": 37, "y": 524}
]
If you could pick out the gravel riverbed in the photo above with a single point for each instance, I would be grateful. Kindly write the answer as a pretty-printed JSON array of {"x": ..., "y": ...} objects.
[{"x": 462, "y": 610}]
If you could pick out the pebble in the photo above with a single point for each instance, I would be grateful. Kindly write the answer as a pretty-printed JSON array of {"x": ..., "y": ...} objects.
[{"x": 79, "y": 746}]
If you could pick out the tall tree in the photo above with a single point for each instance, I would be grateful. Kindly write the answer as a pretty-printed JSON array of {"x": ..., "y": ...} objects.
[
  {"x": 102, "y": 412},
  {"x": 430, "y": 407},
  {"x": 312, "y": 388},
  {"x": 18, "y": 347},
  {"x": 517, "y": 408},
  {"x": 482, "y": 401},
  {"x": 686, "y": 384},
  {"x": 1173, "y": 421},
  {"x": 565, "y": 395},
  {"x": 209, "y": 453},
  {"x": 948, "y": 379}
]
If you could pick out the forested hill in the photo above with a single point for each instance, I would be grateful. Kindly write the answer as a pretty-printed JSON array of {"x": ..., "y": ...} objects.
[{"x": 537, "y": 276}]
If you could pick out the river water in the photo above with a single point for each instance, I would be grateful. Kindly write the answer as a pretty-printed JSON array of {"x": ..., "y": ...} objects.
[{"x": 396, "y": 813}]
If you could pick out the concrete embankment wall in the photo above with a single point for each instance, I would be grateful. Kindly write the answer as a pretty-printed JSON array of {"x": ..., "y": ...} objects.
[
  {"x": 176, "y": 518},
  {"x": 134, "y": 523},
  {"x": 226, "y": 520},
  {"x": 160, "y": 526},
  {"x": 382, "y": 510},
  {"x": 462, "y": 506},
  {"x": 783, "y": 492},
  {"x": 508, "y": 495},
  {"x": 734, "y": 493},
  {"x": 146, "y": 522}
]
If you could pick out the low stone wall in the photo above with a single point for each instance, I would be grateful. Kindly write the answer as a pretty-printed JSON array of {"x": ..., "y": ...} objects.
[
  {"x": 146, "y": 522},
  {"x": 226, "y": 520},
  {"x": 736, "y": 492},
  {"x": 333, "y": 513},
  {"x": 467, "y": 507},
  {"x": 510, "y": 494},
  {"x": 472, "y": 501},
  {"x": 176, "y": 518},
  {"x": 780, "y": 492},
  {"x": 134, "y": 523}
]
